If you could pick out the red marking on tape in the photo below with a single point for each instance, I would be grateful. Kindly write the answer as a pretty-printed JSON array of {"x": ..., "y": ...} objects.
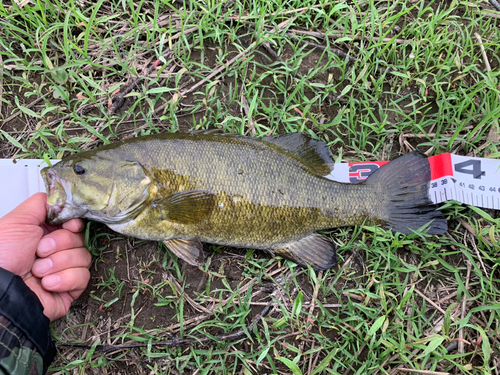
[
  {"x": 441, "y": 166},
  {"x": 359, "y": 172}
]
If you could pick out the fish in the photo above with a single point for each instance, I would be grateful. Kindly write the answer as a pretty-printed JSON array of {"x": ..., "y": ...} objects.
[{"x": 267, "y": 193}]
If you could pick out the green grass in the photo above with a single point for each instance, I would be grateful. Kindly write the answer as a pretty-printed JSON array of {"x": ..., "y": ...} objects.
[{"x": 431, "y": 90}]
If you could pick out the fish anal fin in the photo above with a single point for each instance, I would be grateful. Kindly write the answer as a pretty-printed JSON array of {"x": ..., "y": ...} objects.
[
  {"x": 311, "y": 152},
  {"x": 315, "y": 250},
  {"x": 186, "y": 207},
  {"x": 191, "y": 251}
]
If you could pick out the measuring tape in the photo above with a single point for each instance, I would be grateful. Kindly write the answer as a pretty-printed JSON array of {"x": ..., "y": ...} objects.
[{"x": 474, "y": 181}]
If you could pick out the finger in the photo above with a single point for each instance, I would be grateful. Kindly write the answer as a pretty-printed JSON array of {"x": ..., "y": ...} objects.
[
  {"x": 55, "y": 305},
  {"x": 61, "y": 239},
  {"x": 62, "y": 260},
  {"x": 74, "y": 225},
  {"x": 68, "y": 280}
]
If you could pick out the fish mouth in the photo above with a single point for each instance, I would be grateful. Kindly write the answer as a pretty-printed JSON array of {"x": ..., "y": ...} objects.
[{"x": 59, "y": 198}]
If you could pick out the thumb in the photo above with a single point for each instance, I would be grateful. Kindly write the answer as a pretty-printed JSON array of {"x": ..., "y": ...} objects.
[{"x": 32, "y": 211}]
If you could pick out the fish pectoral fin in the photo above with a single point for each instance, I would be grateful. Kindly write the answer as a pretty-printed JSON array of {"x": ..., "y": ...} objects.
[
  {"x": 315, "y": 250},
  {"x": 186, "y": 207},
  {"x": 191, "y": 251},
  {"x": 312, "y": 153}
]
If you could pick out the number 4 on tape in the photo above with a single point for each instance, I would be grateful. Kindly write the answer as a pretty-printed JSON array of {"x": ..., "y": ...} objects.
[{"x": 473, "y": 181}]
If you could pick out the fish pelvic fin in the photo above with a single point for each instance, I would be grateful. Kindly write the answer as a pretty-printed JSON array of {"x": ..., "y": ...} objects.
[
  {"x": 315, "y": 250},
  {"x": 191, "y": 251},
  {"x": 403, "y": 185}
]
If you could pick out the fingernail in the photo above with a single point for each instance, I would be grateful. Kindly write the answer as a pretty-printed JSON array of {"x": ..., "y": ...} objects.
[
  {"x": 42, "y": 266},
  {"x": 51, "y": 280},
  {"x": 46, "y": 245}
]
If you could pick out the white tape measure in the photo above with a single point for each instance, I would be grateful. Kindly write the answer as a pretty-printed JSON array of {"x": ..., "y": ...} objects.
[{"x": 474, "y": 181}]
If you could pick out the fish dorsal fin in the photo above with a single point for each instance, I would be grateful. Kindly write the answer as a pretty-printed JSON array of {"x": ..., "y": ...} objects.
[
  {"x": 186, "y": 207},
  {"x": 190, "y": 251},
  {"x": 311, "y": 152},
  {"x": 207, "y": 132}
]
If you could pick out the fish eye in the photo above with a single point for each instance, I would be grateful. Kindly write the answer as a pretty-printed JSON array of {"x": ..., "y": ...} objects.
[{"x": 79, "y": 169}]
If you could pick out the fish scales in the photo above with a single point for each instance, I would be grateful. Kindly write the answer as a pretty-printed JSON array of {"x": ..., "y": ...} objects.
[
  {"x": 239, "y": 191},
  {"x": 255, "y": 185}
]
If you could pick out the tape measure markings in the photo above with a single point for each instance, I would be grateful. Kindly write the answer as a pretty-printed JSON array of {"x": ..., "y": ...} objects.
[{"x": 469, "y": 180}]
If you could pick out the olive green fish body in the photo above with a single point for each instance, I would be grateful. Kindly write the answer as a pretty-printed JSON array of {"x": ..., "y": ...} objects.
[
  {"x": 238, "y": 191},
  {"x": 258, "y": 196}
]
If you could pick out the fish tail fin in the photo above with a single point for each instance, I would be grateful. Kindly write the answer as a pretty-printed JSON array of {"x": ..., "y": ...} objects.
[{"x": 403, "y": 185}]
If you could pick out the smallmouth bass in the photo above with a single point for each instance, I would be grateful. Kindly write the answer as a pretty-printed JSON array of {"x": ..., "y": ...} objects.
[{"x": 268, "y": 194}]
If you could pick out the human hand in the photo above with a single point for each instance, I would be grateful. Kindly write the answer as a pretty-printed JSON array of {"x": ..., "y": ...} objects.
[{"x": 60, "y": 274}]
